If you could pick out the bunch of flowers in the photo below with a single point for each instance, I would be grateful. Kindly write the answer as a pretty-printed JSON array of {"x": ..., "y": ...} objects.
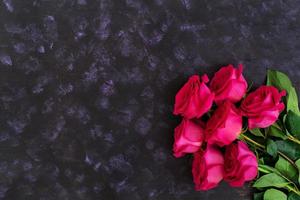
[{"x": 238, "y": 136}]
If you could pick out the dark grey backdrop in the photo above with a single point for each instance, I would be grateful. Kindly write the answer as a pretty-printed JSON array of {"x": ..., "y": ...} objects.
[{"x": 87, "y": 89}]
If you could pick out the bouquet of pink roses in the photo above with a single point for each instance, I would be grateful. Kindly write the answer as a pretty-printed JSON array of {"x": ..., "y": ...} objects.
[{"x": 238, "y": 136}]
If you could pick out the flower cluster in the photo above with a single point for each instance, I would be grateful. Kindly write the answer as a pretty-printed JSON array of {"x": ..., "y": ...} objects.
[{"x": 213, "y": 116}]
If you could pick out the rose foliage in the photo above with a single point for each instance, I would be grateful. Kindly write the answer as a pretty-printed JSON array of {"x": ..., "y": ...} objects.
[{"x": 239, "y": 134}]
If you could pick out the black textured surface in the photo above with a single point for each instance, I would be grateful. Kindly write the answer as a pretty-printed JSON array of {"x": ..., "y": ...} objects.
[{"x": 87, "y": 89}]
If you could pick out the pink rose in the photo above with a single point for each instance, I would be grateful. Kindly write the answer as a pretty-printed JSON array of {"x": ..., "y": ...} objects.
[
  {"x": 208, "y": 168},
  {"x": 194, "y": 98},
  {"x": 240, "y": 164},
  {"x": 229, "y": 84},
  {"x": 189, "y": 136},
  {"x": 224, "y": 126},
  {"x": 263, "y": 106}
]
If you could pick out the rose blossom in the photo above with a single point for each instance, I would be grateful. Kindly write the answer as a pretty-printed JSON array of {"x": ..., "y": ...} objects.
[
  {"x": 194, "y": 98},
  {"x": 229, "y": 84},
  {"x": 189, "y": 136},
  {"x": 224, "y": 126},
  {"x": 263, "y": 106},
  {"x": 240, "y": 164},
  {"x": 208, "y": 168}
]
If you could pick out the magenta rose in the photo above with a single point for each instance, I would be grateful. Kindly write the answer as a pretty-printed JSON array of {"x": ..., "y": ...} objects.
[
  {"x": 224, "y": 126},
  {"x": 194, "y": 98},
  {"x": 189, "y": 136},
  {"x": 263, "y": 106},
  {"x": 229, "y": 84},
  {"x": 240, "y": 164},
  {"x": 208, "y": 168}
]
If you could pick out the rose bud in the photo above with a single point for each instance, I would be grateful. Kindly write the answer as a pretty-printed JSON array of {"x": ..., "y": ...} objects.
[
  {"x": 229, "y": 84},
  {"x": 263, "y": 106},
  {"x": 240, "y": 164},
  {"x": 208, "y": 168},
  {"x": 194, "y": 98},
  {"x": 189, "y": 136},
  {"x": 224, "y": 126}
]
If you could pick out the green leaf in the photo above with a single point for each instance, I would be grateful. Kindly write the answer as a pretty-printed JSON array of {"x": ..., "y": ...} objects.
[
  {"x": 273, "y": 194},
  {"x": 270, "y": 180},
  {"x": 298, "y": 166},
  {"x": 271, "y": 148},
  {"x": 292, "y": 100},
  {"x": 258, "y": 196},
  {"x": 286, "y": 168},
  {"x": 278, "y": 79},
  {"x": 276, "y": 131},
  {"x": 261, "y": 161},
  {"x": 293, "y": 196},
  {"x": 292, "y": 123},
  {"x": 282, "y": 82},
  {"x": 267, "y": 169},
  {"x": 289, "y": 148},
  {"x": 257, "y": 132}
]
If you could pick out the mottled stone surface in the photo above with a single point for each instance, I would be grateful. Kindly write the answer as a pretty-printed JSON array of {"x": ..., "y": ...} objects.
[{"x": 87, "y": 88}]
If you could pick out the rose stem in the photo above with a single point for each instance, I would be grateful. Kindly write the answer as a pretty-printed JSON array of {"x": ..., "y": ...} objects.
[
  {"x": 293, "y": 189},
  {"x": 263, "y": 147},
  {"x": 253, "y": 142},
  {"x": 293, "y": 139},
  {"x": 290, "y": 188}
]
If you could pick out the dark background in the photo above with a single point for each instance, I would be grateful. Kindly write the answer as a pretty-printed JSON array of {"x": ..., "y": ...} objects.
[{"x": 87, "y": 89}]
